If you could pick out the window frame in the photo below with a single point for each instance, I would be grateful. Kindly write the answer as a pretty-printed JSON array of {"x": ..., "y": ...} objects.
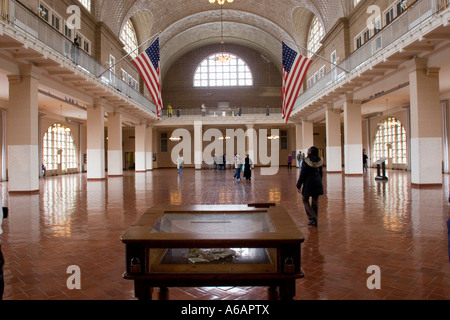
[
  {"x": 53, "y": 142},
  {"x": 59, "y": 19},
  {"x": 42, "y": 4},
  {"x": 389, "y": 132},
  {"x": 87, "y": 4},
  {"x": 128, "y": 37},
  {"x": 211, "y": 73},
  {"x": 317, "y": 35}
]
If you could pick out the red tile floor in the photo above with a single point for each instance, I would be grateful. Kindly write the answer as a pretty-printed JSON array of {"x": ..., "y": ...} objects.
[{"x": 362, "y": 223}]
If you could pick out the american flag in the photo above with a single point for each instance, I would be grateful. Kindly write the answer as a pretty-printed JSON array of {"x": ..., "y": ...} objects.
[
  {"x": 295, "y": 67},
  {"x": 147, "y": 64}
]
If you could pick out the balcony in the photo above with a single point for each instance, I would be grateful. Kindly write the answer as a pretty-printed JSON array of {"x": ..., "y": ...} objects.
[
  {"x": 30, "y": 39},
  {"x": 366, "y": 63}
]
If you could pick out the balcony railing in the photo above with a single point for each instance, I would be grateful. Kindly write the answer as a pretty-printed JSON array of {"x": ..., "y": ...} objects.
[
  {"x": 215, "y": 113},
  {"x": 416, "y": 14},
  {"x": 33, "y": 26}
]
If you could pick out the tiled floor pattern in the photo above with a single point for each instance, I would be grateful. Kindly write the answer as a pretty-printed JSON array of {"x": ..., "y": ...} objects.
[{"x": 363, "y": 222}]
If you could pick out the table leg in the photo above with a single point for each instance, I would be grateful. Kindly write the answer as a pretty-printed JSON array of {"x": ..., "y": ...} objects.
[
  {"x": 272, "y": 293},
  {"x": 287, "y": 290},
  {"x": 142, "y": 290},
  {"x": 163, "y": 293}
]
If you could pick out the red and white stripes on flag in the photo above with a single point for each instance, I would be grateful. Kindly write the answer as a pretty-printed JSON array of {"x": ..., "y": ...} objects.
[
  {"x": 148, "y": 63},
  {"x": 295, "y": 67}
]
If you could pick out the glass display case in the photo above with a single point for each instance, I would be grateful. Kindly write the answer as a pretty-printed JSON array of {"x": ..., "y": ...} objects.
[{"x": 213, "y": 246}]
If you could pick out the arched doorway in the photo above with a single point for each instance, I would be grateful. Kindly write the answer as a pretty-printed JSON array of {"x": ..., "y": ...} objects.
[
  {"x": 59, "y": 151},
  {"x": 391, "y": 143}
]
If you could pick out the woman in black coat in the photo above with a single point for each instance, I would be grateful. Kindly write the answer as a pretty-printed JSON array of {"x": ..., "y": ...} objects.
[
  {"x": 247, "y": 169},
  {"x": 310, "y": 184}
]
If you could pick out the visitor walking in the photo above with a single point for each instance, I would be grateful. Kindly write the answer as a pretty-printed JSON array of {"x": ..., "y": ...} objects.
[{"x": 310, "y": 184}]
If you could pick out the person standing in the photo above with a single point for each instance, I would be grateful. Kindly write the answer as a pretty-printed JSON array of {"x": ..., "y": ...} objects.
[
  {"x": 180, "y": 163},
  {"x": 203, "y": 110},
  {"x": 310, "y": 184},
  {"x": 169, "y": 111},
  {"x": 75, "y": 50},
  {"x": 365, "y": 157},
  {"x": 290, "y": 161},
  {"x": 299, "y": 159},
  {"x": 215, "y": 159},
  {"x": 248, "y": 169},
  {"x": 238, "y": 167}
]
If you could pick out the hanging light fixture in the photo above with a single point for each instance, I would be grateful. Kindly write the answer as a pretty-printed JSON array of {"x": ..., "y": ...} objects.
[
  {"x": 223, "y": 57},
  {"x": 220, "y": 2}
]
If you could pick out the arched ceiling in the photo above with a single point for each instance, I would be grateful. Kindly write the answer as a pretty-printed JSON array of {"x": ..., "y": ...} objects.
[{"x": 190, "y": 24}]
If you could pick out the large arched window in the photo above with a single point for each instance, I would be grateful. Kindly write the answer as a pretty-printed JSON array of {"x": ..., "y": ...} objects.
[
  {"x": 59, "y": 152},
  {"x": 214, "y": 73},
  {"x": 315, "y": 35},
  {"x": 129, "y": 39},
  {"x": 390, "y": 142},
  {"x": 86, "y": 4}
]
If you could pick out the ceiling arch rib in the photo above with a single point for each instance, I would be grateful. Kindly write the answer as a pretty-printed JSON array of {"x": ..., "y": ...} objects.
[
  {"x": 142, "y": 22},
  {"x": 302, "y": 19},
  {"x": 198, "y": 23},
  {"x": 209, "y": 34},
  {"x": 115, "y": 13}
]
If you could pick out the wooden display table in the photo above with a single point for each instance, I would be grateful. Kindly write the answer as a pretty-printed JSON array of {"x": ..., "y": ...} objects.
[{"x": 198, "y": 246}]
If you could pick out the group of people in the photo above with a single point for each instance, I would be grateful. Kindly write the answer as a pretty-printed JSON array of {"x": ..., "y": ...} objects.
[
  {"x": 245, "y": 166},
  {"x": 220, "y": 162},
  {"x": 300, "y": 159}
]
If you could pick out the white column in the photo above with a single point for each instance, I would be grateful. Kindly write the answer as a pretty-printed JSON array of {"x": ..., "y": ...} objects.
[
  {"x": 198, "y": 145},
  {"x": 96, "y": 142},
  {"x": 251, "y": 136},
  {"x": 115, "y": 151},
  {"x": 307, "y": 135},
  {"x": 298, "y": 140},
  {"x": 353, "y": 147},
  {"x": 23, "y": 155},
  {"x": 141, "y": 143},
  {"x": 149, "y": 149},
  {"x": 334, "y": 145},
  {"x": 426, "y": 124}
]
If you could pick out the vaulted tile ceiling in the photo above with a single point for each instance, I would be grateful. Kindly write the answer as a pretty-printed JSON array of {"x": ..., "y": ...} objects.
[{"x": 186, "y": 25}]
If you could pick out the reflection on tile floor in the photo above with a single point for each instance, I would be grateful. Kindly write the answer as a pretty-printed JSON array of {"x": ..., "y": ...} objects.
[{"x": 363, "y": 222}]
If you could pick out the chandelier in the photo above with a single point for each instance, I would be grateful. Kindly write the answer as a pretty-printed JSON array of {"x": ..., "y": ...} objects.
[
  {"x": 220, "y": 2},
  {"x": 222, "y": 57}
]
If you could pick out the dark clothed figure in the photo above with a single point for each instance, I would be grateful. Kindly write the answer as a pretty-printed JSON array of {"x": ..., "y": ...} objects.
[
  {"x": 247, "y": 169},
  {"x": 310, "y": 184}
]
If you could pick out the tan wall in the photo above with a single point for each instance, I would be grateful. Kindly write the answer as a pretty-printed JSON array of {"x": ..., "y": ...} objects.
[
  {"x": 178, "y": 84},
  {"x": 164, "y": 158}
]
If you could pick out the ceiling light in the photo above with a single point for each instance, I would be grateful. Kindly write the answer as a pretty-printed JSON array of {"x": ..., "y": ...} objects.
[
  {"x": 220, "y": 2},
  {"x": 222, "y": 57}
]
